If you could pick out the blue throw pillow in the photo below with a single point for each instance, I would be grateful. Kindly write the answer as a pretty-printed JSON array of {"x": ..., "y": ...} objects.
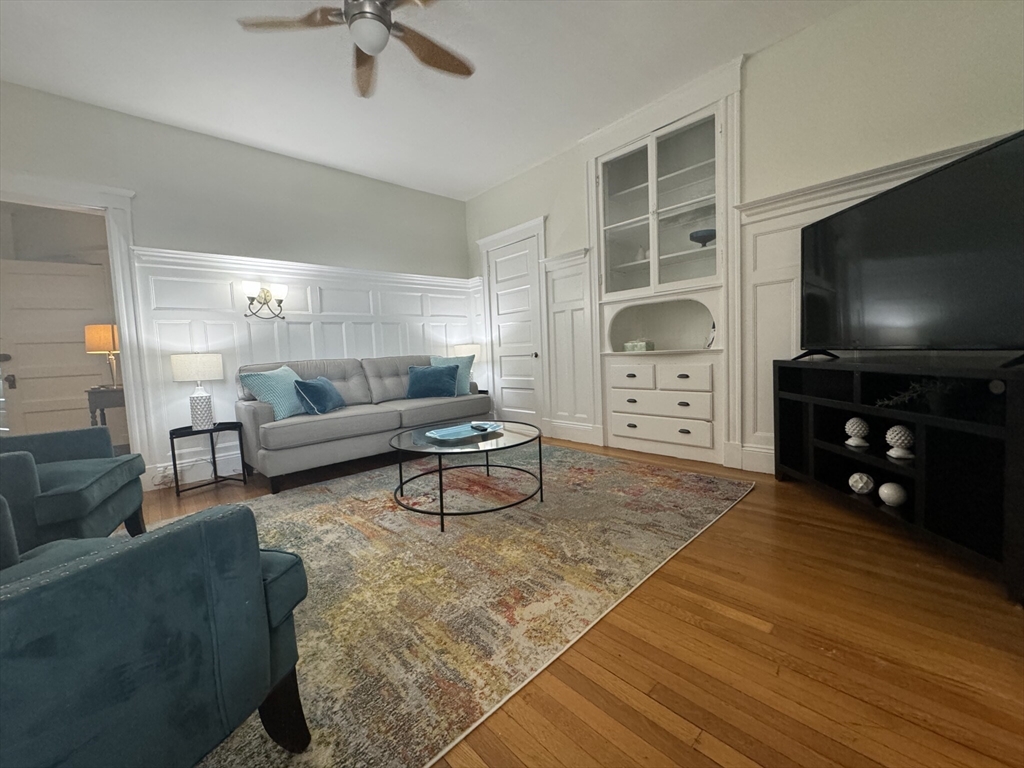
[
  {"x": 276, "y": 388},
  {"x": 432, "y": 381},
  {"x": 465, "y": 367},
  {"x": 319, "y": 396}
]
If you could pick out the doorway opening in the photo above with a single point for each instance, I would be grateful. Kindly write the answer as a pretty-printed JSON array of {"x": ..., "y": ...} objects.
[{"x": 59, "y": 339}]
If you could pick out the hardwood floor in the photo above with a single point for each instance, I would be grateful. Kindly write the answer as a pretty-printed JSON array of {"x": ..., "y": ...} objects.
[{"x": 791, "y": 632}]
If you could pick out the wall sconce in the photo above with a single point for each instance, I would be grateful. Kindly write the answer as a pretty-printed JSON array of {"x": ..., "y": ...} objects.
[{"x": 260, "y": 298}]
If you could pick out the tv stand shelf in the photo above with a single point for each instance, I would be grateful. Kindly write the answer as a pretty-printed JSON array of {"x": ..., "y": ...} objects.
[{"x": 965, "y": 484}]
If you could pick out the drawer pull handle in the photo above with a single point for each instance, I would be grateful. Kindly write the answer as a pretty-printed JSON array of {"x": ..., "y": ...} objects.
[
  {"x": 683, "y": 403},
  {"x": 631, "y": 400},
  {"x": 631, "y": 426},
  {"x": 630, "y": 375},
  {"x": 682, "y": 375},
  {"x": 684, "y": 431}
]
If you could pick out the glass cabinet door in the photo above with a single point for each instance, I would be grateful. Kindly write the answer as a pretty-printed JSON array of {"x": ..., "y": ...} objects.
[
  {"x": 686, "y": 203},
  {"x": 627, "y": 237}
]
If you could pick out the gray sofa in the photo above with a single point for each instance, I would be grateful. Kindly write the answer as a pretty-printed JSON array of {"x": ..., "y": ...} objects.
[{"x": 376, "y": 410}]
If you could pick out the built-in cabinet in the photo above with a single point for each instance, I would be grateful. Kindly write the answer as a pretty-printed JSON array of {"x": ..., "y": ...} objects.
[
  {"x": 664, "y": 203},
  {"x": 659, "y": 209}
]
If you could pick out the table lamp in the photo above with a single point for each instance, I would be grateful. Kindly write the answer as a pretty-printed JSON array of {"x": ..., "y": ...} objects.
[
  {"x": 102, "y": 340},
  {"x": 465, "y": 350},
  {"x": 198, "y": 368}
]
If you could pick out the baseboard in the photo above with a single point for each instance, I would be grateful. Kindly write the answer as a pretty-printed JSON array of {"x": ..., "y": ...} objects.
[
  {"x": 592, "y": 434},
  {"x": 753, "y": 458},
  {"x": 190, "y": 471}
]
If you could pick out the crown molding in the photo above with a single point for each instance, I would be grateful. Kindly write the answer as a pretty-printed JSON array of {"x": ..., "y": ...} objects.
[{"x": 856, "y": 186}]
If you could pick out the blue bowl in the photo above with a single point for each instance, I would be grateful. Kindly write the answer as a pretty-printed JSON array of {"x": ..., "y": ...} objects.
[{"x": 703, "y": 236}]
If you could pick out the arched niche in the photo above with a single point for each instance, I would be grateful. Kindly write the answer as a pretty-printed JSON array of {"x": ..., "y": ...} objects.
[{"x": 680, "y": 324}]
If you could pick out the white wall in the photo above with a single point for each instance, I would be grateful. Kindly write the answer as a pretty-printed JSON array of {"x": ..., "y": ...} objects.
[
  {"x": 190, "y": 302},
  {"x": 198, "y": 193},
  {"x": 870, "y": 85},
  {"x": 878, "y": 83}
]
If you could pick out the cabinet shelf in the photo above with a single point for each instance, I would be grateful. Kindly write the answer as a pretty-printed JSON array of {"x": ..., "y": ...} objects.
[
  {"x": 628, "y": 190},
  {"x": 620, "y": 226},
  {"x": 671, "y": 258},
  {"x": 629, "y": 266},
  {"x": 905, "y": 468},
  {"x": 681, "y": 171},
  {"x": 707, "y": 201}
]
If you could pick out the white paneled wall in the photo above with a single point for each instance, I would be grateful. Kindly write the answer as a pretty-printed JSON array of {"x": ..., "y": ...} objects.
[
  {"x": 770, "y": 287},
  {"x": 191, "y": 302}
]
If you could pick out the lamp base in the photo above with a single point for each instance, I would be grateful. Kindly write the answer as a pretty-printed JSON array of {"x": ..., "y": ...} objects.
[{"x": 201, "y": 405}]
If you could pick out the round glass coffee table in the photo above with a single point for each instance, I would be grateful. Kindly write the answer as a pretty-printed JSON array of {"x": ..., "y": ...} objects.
[{"x": 510, "y": 435}]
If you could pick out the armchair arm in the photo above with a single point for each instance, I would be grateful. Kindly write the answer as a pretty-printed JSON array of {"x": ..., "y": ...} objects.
[
  {"x": 19, "y": 484},
  {"x": 168, "y": 630},
  {"x": 253, "y": 414},
  {"x": 89, "y": 443}
]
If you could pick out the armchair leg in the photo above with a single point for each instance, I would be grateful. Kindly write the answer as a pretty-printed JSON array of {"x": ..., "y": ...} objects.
[
  {"x": 135, "y": 524},
  {"x": 275, "y": 485},
  {"x": 282, "y": 716}
]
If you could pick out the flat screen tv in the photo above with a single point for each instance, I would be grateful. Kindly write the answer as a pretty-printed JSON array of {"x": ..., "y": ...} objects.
[{"x": 936, "y": 263}]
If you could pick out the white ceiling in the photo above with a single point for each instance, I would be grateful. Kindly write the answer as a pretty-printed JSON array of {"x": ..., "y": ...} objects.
[{"x": 548, "y": 72}]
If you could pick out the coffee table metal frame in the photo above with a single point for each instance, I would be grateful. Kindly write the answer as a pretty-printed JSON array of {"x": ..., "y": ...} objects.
[{"x": 487, "y": 465}]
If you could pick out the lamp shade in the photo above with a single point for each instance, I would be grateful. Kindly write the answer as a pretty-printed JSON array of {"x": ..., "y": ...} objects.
[
  {"x": 101, "y": 339},
  {"x": 465, "y": 350},
  {"x": 197, "y": 367}
]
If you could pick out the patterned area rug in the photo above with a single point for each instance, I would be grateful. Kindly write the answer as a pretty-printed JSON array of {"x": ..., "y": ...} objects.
[{"x": 409, "y": 636}]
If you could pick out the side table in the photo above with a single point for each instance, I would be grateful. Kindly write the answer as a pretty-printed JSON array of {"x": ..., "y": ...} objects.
[{"x": 220, "y": 426}]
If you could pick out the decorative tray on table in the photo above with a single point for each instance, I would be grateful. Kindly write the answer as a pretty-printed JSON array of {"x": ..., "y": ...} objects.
[{"x": 462, "y": 431}]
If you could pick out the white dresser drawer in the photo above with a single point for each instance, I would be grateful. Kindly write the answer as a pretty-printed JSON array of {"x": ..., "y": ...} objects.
[
  {"x": 639, "y": 376},
  {"x": 662, "y": 429},
  {"x": 691, "y": 405},
  {"x": 693, "y": 377}
]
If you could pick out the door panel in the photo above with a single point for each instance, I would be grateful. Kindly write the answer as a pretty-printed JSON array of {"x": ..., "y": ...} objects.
[{"x": 516, "y": 330}]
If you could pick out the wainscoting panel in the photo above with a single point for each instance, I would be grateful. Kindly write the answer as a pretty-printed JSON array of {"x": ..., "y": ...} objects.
[
  {"x": 770, "y": 285},
  {"x": 194, "y": 303}
]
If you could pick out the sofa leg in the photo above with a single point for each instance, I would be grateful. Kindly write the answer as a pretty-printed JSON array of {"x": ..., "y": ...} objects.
[
  {"x": 275, "y": 485},
  {"x": 135, "y": 524},
  {"x": 282, "y": 716}
]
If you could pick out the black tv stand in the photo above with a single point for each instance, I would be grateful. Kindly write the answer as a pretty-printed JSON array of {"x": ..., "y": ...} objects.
[
  {"x": 813, "y": 352},
  {"x": 965, "y": 483},
  {"x": 1013, "y": 362}
]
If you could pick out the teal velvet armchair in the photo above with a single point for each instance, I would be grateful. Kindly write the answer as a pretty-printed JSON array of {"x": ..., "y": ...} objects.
[
  {"x": 69, "y": 485},
  {"x": 148, "y": 651}
]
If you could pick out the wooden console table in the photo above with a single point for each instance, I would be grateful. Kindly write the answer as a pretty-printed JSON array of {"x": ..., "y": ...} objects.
[{"x": 101, "y": 398}]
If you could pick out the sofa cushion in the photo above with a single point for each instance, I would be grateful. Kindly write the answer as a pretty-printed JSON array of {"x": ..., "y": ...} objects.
[
  {"x": 276, "y": 387},
  {"x": 430, "y": 410},
  {"x": 432, "y": 381},
  {"x": 346, "y": 374},
  {"x": 319, "y": 396},
  {"x": 465, "y": 369},
  {"x": 389, "y": 376},
  {"x": 72, "y": 489},
  {"x": 284, "y": 583},
  {"x": 351, "y": 421}
]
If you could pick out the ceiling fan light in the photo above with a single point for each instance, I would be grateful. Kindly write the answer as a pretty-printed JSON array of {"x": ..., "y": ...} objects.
[{"x": 369, "y": 34}]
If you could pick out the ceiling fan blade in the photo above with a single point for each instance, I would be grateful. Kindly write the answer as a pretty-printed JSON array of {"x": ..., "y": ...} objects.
[
  {"x": 364, "y": 74},
  {"x": 320, "y": 17},
  {"x": 430, "y": 52}
]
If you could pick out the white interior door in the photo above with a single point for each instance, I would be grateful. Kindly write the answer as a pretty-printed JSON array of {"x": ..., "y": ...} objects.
[
  {"x": 44, "y": 308},
  {"x": 516, "y": 330}
]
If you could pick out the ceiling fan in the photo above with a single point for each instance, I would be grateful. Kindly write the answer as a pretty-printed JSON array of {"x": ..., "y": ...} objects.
[{"x": 371, "y": 26}]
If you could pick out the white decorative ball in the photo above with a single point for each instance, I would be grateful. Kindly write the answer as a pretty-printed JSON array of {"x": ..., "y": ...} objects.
[
  {"x": 861, "y": 483},
  {"x": 900, "y": 438},
  {"x": 857, "y": 429},
  {"x": 892, "y": 494}
]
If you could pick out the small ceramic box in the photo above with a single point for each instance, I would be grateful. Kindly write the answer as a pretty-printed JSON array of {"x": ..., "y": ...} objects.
[{"x": 640, "y": 345}]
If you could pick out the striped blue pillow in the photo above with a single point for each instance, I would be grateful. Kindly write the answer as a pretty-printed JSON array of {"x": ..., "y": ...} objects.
[{"x": 276, "y": 388}]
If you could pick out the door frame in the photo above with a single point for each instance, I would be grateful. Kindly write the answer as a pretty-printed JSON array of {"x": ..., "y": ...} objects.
[
  {"x": 534, "y": 227},
  {"x": 116, "y": 207}
]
